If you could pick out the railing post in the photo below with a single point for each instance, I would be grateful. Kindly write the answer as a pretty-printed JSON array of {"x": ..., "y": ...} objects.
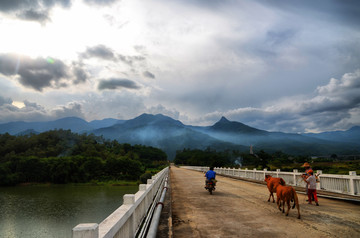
[
  {"x": 277, "y": 172},
  {"x": 142, "y": 187},
  {"x": 129, "y": 199},
  {"x": 265, "y": 170},
  {"x": 86, "y": 230},
  {"x": 351, "y": 182},
  {"x": 318, "y": 183},
  {"x": 246, "y": 172},
  {"x": 295, "y": 171}
]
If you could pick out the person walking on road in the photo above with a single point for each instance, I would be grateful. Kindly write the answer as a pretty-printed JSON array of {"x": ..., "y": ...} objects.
[
  {"x": 311, "y": 184},
  {"x": 306, "y": 175}
]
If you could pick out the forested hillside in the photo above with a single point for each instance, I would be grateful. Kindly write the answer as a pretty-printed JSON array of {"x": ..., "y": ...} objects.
[{"x": 60, "y": 156}]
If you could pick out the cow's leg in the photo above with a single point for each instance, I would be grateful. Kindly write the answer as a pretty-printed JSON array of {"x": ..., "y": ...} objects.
[
  {"x": 278, "y": 202},
  {"x": 269, "y": 196},
  {"x": 283, "y": 208},
  {"x": 288, "y": 205},
  {"x": 272, "y": 194}
]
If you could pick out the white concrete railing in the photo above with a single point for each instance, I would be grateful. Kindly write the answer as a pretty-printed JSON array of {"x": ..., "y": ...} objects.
[
  {"x": 127, "y": 219},
  {"x": 347, "y": 184}
]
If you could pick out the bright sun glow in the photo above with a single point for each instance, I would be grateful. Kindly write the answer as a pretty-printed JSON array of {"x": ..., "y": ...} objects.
[
  {"x": 18, "y": 104},
  {"x": 24, "y": 39},
  {"x": 69, "y": 32}
]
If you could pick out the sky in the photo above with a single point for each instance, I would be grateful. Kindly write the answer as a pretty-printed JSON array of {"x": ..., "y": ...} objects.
[{"x": 277, "y": 65}]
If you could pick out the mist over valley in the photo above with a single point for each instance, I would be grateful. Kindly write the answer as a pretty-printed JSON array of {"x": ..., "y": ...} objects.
[{"x": 171, "y": 135}]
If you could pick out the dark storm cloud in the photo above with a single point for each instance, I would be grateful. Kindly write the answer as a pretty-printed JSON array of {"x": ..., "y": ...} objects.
[
  {"x": 115, "y": 83},
  {"x": 32, "y": 10},
  {"x": 35, "y": 112},
  {"x": 38, "y": 73},
  {"x": 34, "y": 15},
  {"x": 71, "y": 110},
  {"x": 33, "y": 105},
  {"x": 332, "y": 104},
  {"x": 338, "y": 95},
  {"x": 148, "y": 75},
  {"x": 9, "y": 64},
  {"x": 346, "y": 12},
  {"x": 13, "y": 5},
  {"x": 41, "y": 73},
  {"x": 81, "y": 75},
  {"x": 5, "y": 100},
  {"x": 99, "y": 51},
  {"x": 106, "y": 53}
]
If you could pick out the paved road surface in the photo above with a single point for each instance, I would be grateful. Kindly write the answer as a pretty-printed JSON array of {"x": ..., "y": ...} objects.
[{"x": 240, "y": 209}]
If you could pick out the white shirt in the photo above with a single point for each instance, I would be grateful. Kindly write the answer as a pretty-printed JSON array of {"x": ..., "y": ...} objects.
[{"x": 312, "y": 182}]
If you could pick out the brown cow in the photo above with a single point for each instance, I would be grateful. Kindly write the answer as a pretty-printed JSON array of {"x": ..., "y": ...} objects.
[
  {"x": 271, "y": 182},
  {"x": 287, "y": 194}
]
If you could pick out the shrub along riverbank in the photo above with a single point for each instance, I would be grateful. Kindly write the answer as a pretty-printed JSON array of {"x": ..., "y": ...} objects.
[{"x": 61, "y": 156}]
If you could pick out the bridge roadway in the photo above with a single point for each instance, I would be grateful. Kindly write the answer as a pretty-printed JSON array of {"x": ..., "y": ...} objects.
[{"x": 240, "y": 209}]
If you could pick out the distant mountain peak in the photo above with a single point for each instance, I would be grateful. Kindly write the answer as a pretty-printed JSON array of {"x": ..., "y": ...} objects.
[
  {"x": 225, "y": 125},
  {"x": 223, "y": 120},
  {"x": 150, "y": 119}
]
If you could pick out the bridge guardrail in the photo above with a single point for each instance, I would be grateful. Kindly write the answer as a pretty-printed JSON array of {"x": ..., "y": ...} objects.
[
  {"x": 345, "y": 184},
  {"x": 126, "y": 221}
]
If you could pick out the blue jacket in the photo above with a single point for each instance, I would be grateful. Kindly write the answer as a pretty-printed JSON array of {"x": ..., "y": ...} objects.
[{"x": 210, "y": 174}]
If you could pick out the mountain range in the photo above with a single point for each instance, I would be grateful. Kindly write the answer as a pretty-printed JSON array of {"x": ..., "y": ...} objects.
[{"x": 172, "y": 135}]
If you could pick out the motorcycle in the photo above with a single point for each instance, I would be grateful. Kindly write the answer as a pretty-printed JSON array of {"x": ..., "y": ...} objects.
[{"x": 210, "y": 186}]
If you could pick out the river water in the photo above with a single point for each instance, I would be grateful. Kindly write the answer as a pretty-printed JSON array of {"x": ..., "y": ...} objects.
[{"x": 52, "y": 211}]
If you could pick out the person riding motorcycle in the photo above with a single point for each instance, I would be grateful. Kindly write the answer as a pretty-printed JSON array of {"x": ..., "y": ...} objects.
[{"x": 210, "y": 176}]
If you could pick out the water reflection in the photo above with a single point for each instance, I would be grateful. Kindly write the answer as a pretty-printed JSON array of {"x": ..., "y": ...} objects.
[{"x": 52, "y": 211}]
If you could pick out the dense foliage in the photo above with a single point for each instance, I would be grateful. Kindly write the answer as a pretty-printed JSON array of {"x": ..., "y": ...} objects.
[
  {"x": 260, "y": 160},
  {"x": 61, "y": 156}
]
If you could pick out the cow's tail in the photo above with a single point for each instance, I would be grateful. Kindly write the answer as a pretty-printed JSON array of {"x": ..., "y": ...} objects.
[
  {"x": 294, "y": 198},
  {"x": 296, "y": 202}
]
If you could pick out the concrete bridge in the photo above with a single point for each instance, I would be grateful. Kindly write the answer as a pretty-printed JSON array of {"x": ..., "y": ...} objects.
[{"x": 238, "y": 208}]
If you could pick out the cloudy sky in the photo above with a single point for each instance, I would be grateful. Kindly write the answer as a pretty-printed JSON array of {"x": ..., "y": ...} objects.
[{"x": 291, "y": 66}]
